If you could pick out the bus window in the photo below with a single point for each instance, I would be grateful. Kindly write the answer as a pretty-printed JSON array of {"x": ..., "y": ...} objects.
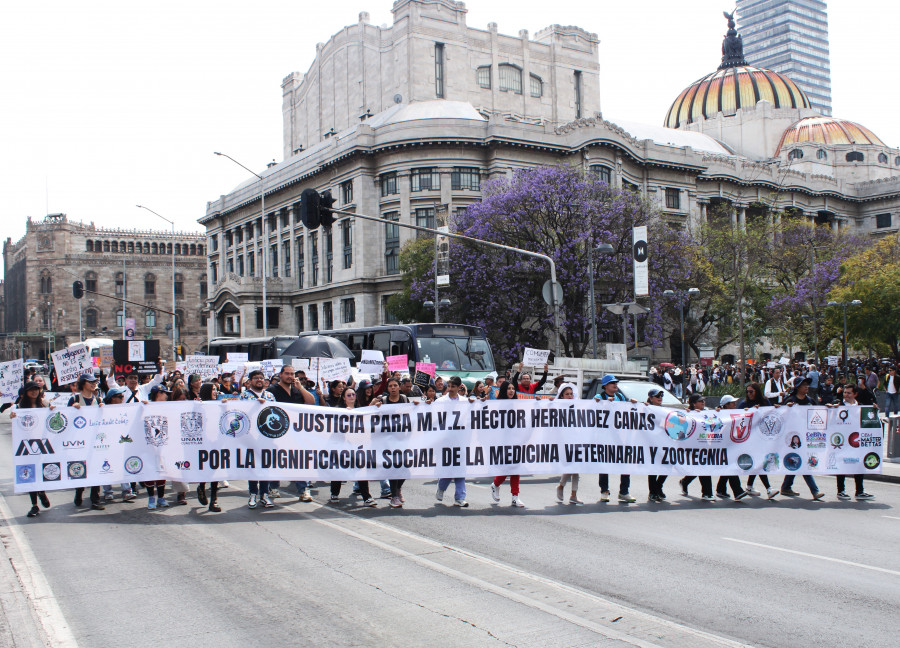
[
  {"x": 255, "y": 351},
  {"x": 381, "y": 341},
  {"x": 356, "y": 342},
  {"x": 400, "y": 343}
]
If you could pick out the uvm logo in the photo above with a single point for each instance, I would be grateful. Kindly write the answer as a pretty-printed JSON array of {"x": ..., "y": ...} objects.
[{"x": 34, "y": 447}]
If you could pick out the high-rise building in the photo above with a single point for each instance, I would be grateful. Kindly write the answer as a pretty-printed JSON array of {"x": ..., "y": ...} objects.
[{"x": 790, "y": 37}]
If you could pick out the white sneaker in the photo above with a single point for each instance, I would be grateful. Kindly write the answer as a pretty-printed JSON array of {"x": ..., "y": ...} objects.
[
  {"x": 751, "y": 491},
  {"x": 627, "y": 497},
  {"x": 439, "y": 495},
  {"x": 771, "y": 493},
  {"x": 461, "y": 503},
  {"x": 274, "y": 492},
  {"x": 604, "y": 496},
  {"x": 516, "y": 502},
  {"x": 252, "y": 502},
  {"x": 495, "y": 492},
  {"x": 267, "y": 501}
]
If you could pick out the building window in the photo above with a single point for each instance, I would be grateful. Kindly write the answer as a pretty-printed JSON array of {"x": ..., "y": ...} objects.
[
  {"x": 46, "y": 283},
  {"x": 214, "y": 242},
  {"x": 286, "y": 257},
  {"x": 347, "y": 243},
  {"x": 251, "y": 264},
  {"x": 238, "y": 235},
  {"x": 284, "y": 219},
  {"x": 240, "y": 268},
  {"x": 120, "y": 283},
  {"x": 179, "y": 286},
  {"x": 897, "y": 161},
  {"x": 120, "y": 318},
  {"x": 204, "y": 289},
  {"x": 439, "y": 70},
  {"x": 577, "y": 94},
  {"x": 150, "y": 319},
  {"x": 298, "y": 313},
  {"x": 387, "y": 316},
  {"x": 348, "y": 310},
  {"x": 150, "y": 284},
  {"x": 425, "y": 218},
  {"x": 510, "y": 78},
  {"x": 465, "y": 178},
  {"x": 314, "y": 259},
  {"x": 327, "y": 242},
  {"x": 272, "y": 317},
  {"x": 214, "y": 272},
  {"x": 89, "y": 246},
  {"x": 300, "y": 261},
  {"x": 273, "y": 258},
  {"x": 854, "y": 156},
  {"x": 673, "y": 198},
  {"x": 229, "y": 239},
  {"x": 426, "y": 179},
  {"x": 483, "y": 76},
  {"x": 821, "y": 154},
  {"x": 229, "y": 265},
  {"x": 388, "y": 184},
  {"x": 90, "y": 318},
  {"x": 795, "y": 154},
  {"x": 347, "y": 192},
  {"x": 327, "y": 316},
  {"x": 882, "y": 221},
  {"x": 537, "y": 85},
  {"x": 179, "y": 318},
  {"x": 604, "y": 174},
  {"x": 90, "y": 282},
  {"x": 882, "y": 158},
  {"x": 392, "y": 243},
  {"x": 313, "y": 317},
  {"x": 115, "y": 246},
  {"x": 630, "y": 186}
]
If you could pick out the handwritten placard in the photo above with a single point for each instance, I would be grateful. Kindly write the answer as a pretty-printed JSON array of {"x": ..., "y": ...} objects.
[
  {"x": 272, "y": 366},
  {"x": 237, "y": 357},
  {"x": 422, "y": 380},
  {"x": 535, "y": 357},
  {"x": 206, "y": 366},
  {"x": 372, "y": 363},
  {"x": 426, "y": 367},
  {"x": 70, "y": 363},
  {"x": 12, "y": 375},
  {"x": 106, "y": 355},
  {"x": 398, "y": 362},
  {"x": 333, "y": 368}
]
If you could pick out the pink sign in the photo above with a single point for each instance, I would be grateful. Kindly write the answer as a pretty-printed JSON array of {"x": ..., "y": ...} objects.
[
  {"x": 426, "y": 367},
  {"x": 398, "y": 363}
]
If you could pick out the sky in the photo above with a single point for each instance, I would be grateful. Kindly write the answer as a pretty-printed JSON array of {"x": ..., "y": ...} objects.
[{"x": 110, "y": 104}]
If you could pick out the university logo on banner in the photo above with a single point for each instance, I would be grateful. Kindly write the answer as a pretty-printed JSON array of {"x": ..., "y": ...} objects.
[{"x": 156, "y": 430}]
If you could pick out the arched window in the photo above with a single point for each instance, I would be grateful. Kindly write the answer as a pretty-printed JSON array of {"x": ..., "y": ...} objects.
[
  {"x": 178, "y": 248},
  {"x": 90, "y": 281},
  {"x": 897, "y": 161},
  {"x": 795, "y": 154},
  {"x": 203, "y": 287},
  {"x": 179, "y": 285},
  {"x": 150, "y": 318},
  {"x": 604, "y": 173},
  {"x": 882, "y": 158},
  {"x": 122, "y": 247},
  {"x": 146, "y": 248},
  {"x": 90, "y": 318},
  {"x": 510, "y": 77},
  {"x": 854, "y": 156},
  {"x": 149, "y": 284},
  {"x": 153, "y": 248},
  {"x": 483, "y": 76},
  {"x": 106, "y": 246},
  {"x": 131, "y": 246},
  {"x": 193, "y": 248},
  {"x": 89, "y": 246},
  {"x": 115, "y": 246},
  {"x": 821, "y": 154},
  {"x": 169, "y": 248},
  {"x": 98, "y": 246},
  {"x": 537, "y": 85},
  {"x": 46, "y": 282},
  {"x": 200, "y": 250}
]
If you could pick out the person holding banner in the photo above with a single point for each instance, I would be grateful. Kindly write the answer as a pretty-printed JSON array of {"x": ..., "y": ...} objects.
[
  {"x": 289, "y": 389},
  {"x": 775, "y": 389},
  {"x": 194, "y": 385},
  {"x": 30, "y": 398},
  {"x": 459, "y": 483},
  {"x": 566, "y": 391},
  {"x": 850, "y": 398},
  {"x": 509, "y": 392},
  {"x": 394, "y": 397},
  {"x": 696, "y": 403},
  {"x": 753, "y": 397},
  {"x": 227, "y": 387},
  {"x": 655, "y": 482},
  {"x": 209, "y": 392},
  {"x": 610, "y": 386},
  {"x": 800, "y": 396},
  {"x": 348, "y": 401},
  {"x": 86, "y": 397},
  {"x": 524, "y": 384},
  {"x": 729, "y": 402},
  {"x": 255, "y": 390}
]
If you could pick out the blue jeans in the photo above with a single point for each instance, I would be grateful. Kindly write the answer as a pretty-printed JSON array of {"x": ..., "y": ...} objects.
[
  {"x": 459, "y": 483},
  {"x": 892, "y": 404},
  {"x": 126, "y": 488},
  {"x": 789, "y": 481},
  {"x": 678, "y": 391},
  {"x": 259, "y": 488},
  {"x": 301, "y": 486}
]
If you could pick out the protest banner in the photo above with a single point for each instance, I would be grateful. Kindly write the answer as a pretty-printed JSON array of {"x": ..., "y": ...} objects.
[
  {"x": 422, "y": 380},
  {"x": 426, "y": 367},
  {"x": 195, "y": 441},
  {"x": 535, "y": 357},
  {"x": 124, "y": 350},
  {"x": 106, "y": 358},
  {"x": 206, "y": 366},
  {"x": 12, "y": 377},
  {"x": 271, "y": 367},
  {"x": 70, "y": 363},
  {"x": 398, "y": 363},
  {"x": 237, "y": 357},
  {"x": 372, "y": 363}
]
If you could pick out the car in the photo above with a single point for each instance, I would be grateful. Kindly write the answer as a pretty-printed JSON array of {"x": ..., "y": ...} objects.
[{"x": 636, "y": 389}]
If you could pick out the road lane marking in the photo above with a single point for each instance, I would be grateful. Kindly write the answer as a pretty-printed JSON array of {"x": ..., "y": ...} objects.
[
  {"x": 46, "y": 610},
  {"x": 817, "y": 556},
  {"x": 891, "y": 517}
]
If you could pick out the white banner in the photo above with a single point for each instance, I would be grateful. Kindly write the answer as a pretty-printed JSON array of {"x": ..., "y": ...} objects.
[
  {"x": 640, "y": 252},
  {"x": 71, "y": 362},
  {"x": 12, "y": 377},
  {"x": 205, "y": 441},
  {"x": 207, "y": 366},
  {"x": 371, "y": 363}
]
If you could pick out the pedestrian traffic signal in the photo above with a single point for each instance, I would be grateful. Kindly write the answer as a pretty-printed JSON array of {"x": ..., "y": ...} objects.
[
  {"x": 316, "y": 209},
  {"x": 78, "y": 290},
  {"x": 326, "y": 204}
]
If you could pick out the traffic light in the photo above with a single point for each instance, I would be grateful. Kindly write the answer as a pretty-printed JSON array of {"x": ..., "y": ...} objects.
[
  {"x": 316, "y": 209},
  {"x": 326, "y": 203},
  {"x": 78, "y": 290}
]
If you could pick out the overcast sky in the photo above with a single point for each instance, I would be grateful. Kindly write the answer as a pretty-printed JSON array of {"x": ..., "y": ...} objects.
[{"x": 109, "y": 104}]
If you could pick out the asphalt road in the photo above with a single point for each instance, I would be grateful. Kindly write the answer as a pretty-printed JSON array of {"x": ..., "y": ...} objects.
[{"x": 791, "y": 573}]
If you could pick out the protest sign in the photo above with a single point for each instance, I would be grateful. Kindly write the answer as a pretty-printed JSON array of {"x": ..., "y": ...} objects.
[
  {"x": 135, "y": 351},
  {"x": 180, "y": 366},
  {"x": 398, "y": 363},
  {"x": 271, "y": 367},
  {"x": 833, "y": 361},
  {"x": 205, "y": 365},
  {"x": 300, "y": 364},
  {"x": 783, "y": 361},
  {"x": 372, "y": 363},
  {"x": 535, "y": 357},
  {"x": 71, "y": 363},
  {"x": 422, "y": 380},
  {"x": 123, "y": 351},
  {"x": 237, "y": 357},
  {"x": 106, "y": 356},
  {"x": 333, "y": 368},
  {"x": 195, "y": 441},
  {"x": 426, "y": 367},
  {"x": 12, "y": 376},
  {"x": 771, "y": 365}
]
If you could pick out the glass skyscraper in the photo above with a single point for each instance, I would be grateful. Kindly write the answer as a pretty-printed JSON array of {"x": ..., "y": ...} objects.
[{"x": 790, "y": 37}]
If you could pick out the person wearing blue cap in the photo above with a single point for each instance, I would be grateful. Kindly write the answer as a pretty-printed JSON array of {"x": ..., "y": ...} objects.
[{"x": 610, "y": 392}]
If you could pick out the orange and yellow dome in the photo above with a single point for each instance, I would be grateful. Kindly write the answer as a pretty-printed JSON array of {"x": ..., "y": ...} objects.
[
  {"x": 730, "y": 88},
  {"x": 828, "y": 131}
]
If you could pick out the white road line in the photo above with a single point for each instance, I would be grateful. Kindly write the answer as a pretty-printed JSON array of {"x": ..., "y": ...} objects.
[
  {"x": 817, "y": 556},
  {"x": 35, "y": 586},
  {"x": 506, "y": 593},
  {"x": 891, "y": 517}
]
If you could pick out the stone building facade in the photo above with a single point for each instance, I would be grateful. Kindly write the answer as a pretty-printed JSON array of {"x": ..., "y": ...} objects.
[
  {"x": 42, "y": 315},
  {"x": 409, "y": 161}
]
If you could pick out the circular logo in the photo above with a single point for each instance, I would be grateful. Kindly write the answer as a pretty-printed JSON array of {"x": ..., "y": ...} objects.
[
  {"x": 793, "y": 442},
  {"x": 52, "y": 472},
  {"x": 792, "y": 461},
  {"x": 837, "y": 440},
  {"x": 79, "y": 422},
  {"x": 26, "y": 421},
  {"x": 272, "y": 422},
  {"x": 770, "y": 426},
  {"x": 770, "y": 463},
  {"x": 853, "y": 439},
  {"x": 640, "y": 251},
  {"x": 77, "y": 470},
  {"x": 843, "y": 415},
  {"x": 745, "y": 462},
  {"x": 871, "y": 461},
  {"x": 56, "y": 423},
  {"x": 234, "y": 424},
  {"x": 133, "y": 465},
  {"x": 812, "y": 461},
  {"x": 679, "y": 426}
]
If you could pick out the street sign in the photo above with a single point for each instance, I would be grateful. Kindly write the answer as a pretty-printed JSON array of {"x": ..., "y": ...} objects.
[
  {"x": 640, "y": 251},
  {"x": 545, "y": 291}
]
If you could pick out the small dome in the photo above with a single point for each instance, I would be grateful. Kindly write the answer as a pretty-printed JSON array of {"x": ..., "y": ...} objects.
[
  {"x": 828, "y": 131},
  {"x": 730, "y": 88}
]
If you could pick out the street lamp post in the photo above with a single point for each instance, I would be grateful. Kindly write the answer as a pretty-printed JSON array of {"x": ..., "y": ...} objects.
[
  {"x": 681, "y": 294},
  {"x": 603, "y": 249},
  {"x": 265, "y": 245},
  {"x": 437, "y": 305},
  {"x": 843, "y": 306},
  {"x": 174, "y": 318}
]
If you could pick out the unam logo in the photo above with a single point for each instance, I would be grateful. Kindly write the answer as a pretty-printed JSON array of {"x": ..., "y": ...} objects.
[
  {"x": 26, "y": 421},
  {"x": 191, "y": 428},
  {"x": 156, "y": 430},
  {"x": 770, "y": 425},
  {"x": 234, "y": 424}
]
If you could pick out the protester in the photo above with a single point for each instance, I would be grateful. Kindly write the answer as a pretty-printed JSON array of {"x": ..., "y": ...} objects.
[
  {"x": 508, "y": 391},
  {"x": 348, "y": 401},
  {"x": 849, "y": 398},
  {"x": 209, "y": 392},
  {"x": 655, "y": 482},
  {"x": 459, "y": 483},
  {"x": 729, "y": 402},
  {"x": 610, "y": 392},
  {"x": 30, "y": 398},
  {"x": 567, "y": 392}
]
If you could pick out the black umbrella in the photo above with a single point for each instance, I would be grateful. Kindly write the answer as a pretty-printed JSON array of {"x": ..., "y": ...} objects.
[{"x": 318, "y": 346}]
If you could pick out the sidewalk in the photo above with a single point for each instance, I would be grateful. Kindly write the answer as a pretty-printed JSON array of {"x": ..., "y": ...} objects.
[{"x": 890, "y": 472}]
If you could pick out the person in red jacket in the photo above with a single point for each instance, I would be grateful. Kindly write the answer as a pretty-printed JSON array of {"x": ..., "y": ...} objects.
[{"x": 524, "y": 384}]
